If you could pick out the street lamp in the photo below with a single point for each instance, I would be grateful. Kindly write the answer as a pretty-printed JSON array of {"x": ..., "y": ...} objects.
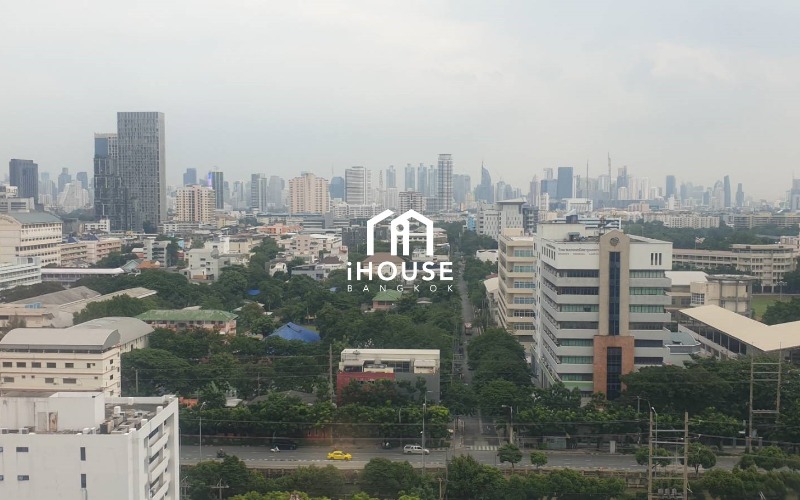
[
  {"x": 424, "y": 410},
  {"x": 511, "y": 425},
  {"x": 200, "y": 410},
  {"x": 781, "y": 284}
]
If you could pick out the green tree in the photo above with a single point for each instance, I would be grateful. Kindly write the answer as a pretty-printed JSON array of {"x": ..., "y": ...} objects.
[
  {"x": 509, "y": 453},
  {"x": 782, "y": 312},
  {"x": 538, "y": 458},
  {"x": 385, "y": 478},
  {"x": 114, "y": 260},
  {"x": 770, "y": 458},
  {"x": 470, "y": 480},
  {"x": 661, "y": 457},
  {"x": 701, "y": 456},
  {"x": 121, "y": 305},
  {"x": 325, "y": 481},
  {"x": 154, "y": 372}
]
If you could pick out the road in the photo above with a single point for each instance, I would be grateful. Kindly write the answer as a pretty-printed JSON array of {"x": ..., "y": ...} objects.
[{"x": 305, "y": 456}]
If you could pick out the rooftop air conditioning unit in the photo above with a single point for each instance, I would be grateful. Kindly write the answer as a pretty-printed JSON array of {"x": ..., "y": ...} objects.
[{"x": 23, "y": 430}]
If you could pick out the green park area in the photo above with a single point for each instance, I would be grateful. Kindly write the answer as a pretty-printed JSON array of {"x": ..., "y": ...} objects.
[{"x": 762, "y": 302}]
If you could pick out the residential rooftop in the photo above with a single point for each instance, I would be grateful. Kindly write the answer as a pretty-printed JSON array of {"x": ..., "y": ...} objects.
[{"x": 186, "y": 315}]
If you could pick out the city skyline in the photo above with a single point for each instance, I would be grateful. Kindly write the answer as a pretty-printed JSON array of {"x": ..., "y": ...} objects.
[{"x": 521, "y": 87}]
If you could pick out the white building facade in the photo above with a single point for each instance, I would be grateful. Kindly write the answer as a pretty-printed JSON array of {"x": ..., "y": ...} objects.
[{"x": 83, "y": 446}]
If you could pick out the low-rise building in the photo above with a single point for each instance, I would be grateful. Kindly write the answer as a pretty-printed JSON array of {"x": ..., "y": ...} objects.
[
  {"x": 85, "y": 445},
  {"x": 386, "y": 300},
  {"x": 84, "y": 357},
  {"x": 184, "y": 319},
  {"x": 207, "y": 263},
  {"x": 21, "y": 272},
  {"x": 768, "y": 263},
  {"x": 369, "y": 365},
  {"x": 725, "y": 334},
  {"x": 34, "y": 234},
  {"x": 682, "y": 220},
  {"x": 516, "y": 295}
]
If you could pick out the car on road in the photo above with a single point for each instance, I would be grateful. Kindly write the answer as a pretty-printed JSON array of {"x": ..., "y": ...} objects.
[
  {"x": 339, "y": 455},
  {"x": 283, "y": 444},
  {"x": 415, "y": 449}
]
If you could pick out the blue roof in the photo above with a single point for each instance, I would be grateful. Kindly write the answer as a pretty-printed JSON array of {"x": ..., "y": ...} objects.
[{"x": 290, "y": 331}]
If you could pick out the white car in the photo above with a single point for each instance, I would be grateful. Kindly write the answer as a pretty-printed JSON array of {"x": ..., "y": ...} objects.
[{"x": 415, "y": 449}]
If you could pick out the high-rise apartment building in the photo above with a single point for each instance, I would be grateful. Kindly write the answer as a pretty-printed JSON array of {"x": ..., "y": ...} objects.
[
  {"x": 600, "y": 302},
  {"x": 462, "y": 185},
  {"x": 727, "y": 199},
  {"x": 739, "y": 196},
  {"x": 411, "y": 200},
  {"x": 308, "y": 194},
  {"x": 216, "y": 181},
  {"x": 422, "y": 179},
  {"x": 190, "y": 177},
  {"x": 444, "y": 183},
  {"x": 411, "y": 177},
  {"x": 516, "y": 285},
  {"x": 142, "y": 169},
  {"x": 24, "y": 174},
  {"x": 357, "y": 186},
  {"x": 195, "y": 204}
]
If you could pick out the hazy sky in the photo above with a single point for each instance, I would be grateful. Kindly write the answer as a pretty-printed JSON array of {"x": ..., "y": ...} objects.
[{"x": 698, "y": 89}]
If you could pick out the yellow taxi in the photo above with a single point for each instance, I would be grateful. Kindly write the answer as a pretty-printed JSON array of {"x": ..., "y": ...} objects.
[{"x": 339, "y": 455}]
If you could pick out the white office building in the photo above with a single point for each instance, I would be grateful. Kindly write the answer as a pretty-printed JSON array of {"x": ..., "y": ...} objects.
[{"x": 86, "y": 446}]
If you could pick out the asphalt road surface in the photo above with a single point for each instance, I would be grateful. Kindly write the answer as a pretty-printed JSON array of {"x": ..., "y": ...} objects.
[{"x": 305, "y": 456}]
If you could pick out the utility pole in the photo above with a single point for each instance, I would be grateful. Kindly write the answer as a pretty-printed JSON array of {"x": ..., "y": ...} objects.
[
  {"x": 686, "y": 456},
  {"x": 424, "y": 409},
  {"x": 219, "y": 488},
  {"x": 770, "y": 372},
  {"x": 137, "y": 381},
  {"x": 650, "y": 459}
]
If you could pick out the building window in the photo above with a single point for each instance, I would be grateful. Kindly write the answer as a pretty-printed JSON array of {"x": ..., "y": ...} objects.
[
  {"x": 83, "y": 453},
  {"x": 698, "y": 299},
  {"x": 36, "y": 365},
  {"x": 83, "y": 481},
  {"x": 69, "y": 365},
  {"x": 613, "y": 372},
  {"x": 614, "y": 284},
  {"x": 70, "y": 381},
  {"x": 51, "y": 365},
  {"x": 22, "y": 364},
  {"x": 647, "y": 360},
  {"x": 23, "y": 478},
  {"x": 638, "y": 308},
  {"x": 7, "y": 364},
  {"x": 49, "y": 381},
  {"x": 22, "y": 449},
  {"x": 8, "y": 379},
  {"x": 576, "y": 360},
  {"x": 648, "y": 343},
  {"x": 576, "y": 342},
  {"x": 576, "y": 377}
]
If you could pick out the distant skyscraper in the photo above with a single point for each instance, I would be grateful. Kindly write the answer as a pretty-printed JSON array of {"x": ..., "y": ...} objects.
[
  {"x": 83, "y": 178},
  {"x": 485, "y": 190},
  {"x": 548, "y": 174},
  {"x": 357, "y": 186},
  {"x": 565, "y": 183},
  {"x": 411, "y": 177},
  {"x": 216, "y": 181},
  {"x": 461, "y": 186},
  {"x": 422, "y": 179},
  {"x": 255, "y": 191},
  {"x": 110, "y": 197},
  {"x": 670, "y": 188},
  {"x": 190, "y": 177},
  {"x": 739, "y": 196},
  {"x": 727, "y": 192},
  {"x": 308, "y": 194},
  {"x": 25, "y": 175},
  {"x": 142, "y": 167},
  {"x": 275, "y": 192},
  {"x": 64, "y": 178},
  {"x": 444, "y": 182},
  {"x": 391, "y": 177},
  {"x": 337, "y": 188}
]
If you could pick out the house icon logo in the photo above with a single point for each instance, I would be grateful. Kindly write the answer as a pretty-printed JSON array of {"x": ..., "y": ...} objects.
[{"x": 400, "y": 231}]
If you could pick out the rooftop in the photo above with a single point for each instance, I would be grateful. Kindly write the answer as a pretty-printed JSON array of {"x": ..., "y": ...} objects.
[
  {"x": 73, "y": 338},
  {"x": 763, "y": 337},
  {"x": 60, "y": 298},
  {"x": 186, "y": 315},
  {"x": 388, "y": 296},
  {"x": 686, "y": 278},
  {"x": 33, "y": 217}
]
